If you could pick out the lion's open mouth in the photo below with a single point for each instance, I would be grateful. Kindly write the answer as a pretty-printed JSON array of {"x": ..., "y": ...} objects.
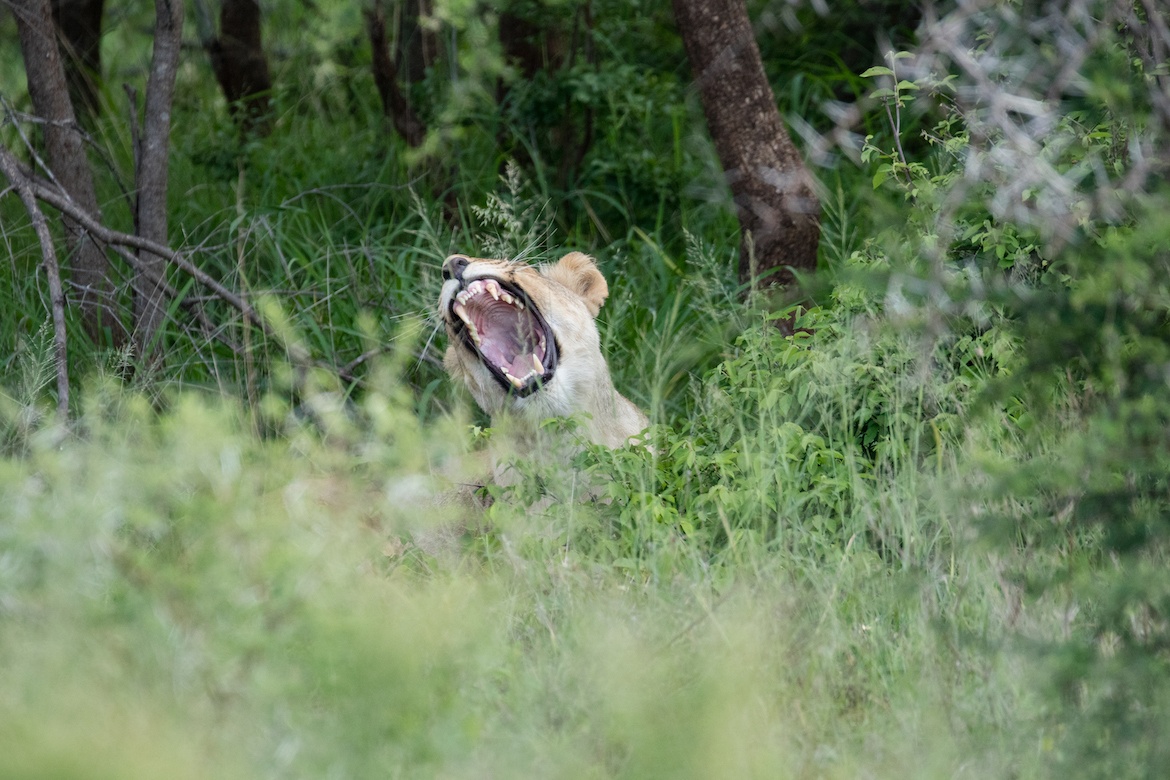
[{"x": 498, "y": 322}]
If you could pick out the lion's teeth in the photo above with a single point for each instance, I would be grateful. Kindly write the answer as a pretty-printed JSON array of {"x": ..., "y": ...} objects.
[
  {"x": 537, "y": 365},
  {"x": 505, "y": 297},
  {"x": 472, "y": 329},
  {"x": 493, "y": 289},
  {"x": 461, "y": 311},
  {"x": 516, "y": 382}
]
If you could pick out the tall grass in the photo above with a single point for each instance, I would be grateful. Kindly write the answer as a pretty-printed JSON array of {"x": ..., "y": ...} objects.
[
  {"x": 182, "y": 597},
  {"x": 781, "y": 589}
]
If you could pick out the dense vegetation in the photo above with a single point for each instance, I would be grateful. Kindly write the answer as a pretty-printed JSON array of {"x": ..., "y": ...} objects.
[{"x": 924, "y": 536}]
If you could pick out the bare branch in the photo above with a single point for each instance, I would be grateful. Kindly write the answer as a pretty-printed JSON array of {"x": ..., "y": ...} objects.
[{"x": 16, "y": 117}]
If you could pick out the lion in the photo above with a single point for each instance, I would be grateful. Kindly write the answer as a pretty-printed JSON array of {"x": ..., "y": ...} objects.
[{"x": 524, "y": 342}]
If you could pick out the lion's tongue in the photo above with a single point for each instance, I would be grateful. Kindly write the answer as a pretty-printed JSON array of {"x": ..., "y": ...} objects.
[
  {"x": 507, "y": 338},
  {"x": 522, "y": 365}
]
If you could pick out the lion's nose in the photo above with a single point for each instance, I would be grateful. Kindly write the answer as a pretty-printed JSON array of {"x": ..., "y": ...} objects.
[{"x": 454, "y": 266}]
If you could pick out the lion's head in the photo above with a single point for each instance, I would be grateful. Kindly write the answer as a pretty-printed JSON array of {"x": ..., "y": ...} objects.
[{"x": 523, "y": 340}]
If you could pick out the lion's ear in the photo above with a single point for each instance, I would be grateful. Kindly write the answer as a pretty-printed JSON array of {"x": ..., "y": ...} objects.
[{"x": 579, "y": 273}]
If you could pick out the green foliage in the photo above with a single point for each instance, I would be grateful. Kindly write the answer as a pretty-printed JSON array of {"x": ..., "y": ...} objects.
[
  {"x": 1076, "y": 271},
  {"x": 258, "y": 605}
]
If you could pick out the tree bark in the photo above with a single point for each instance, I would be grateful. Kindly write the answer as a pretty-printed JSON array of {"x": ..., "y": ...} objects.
[
  {"x": 529, "y": 46},
  {"x": 416, "y": 48},
  {"x": 80, "y": 23},
  {"x": 540, "y": 38},
  {"x": 151, "y": 175},
  {"x": 394, "y": 103},
  {"x": 237, "y": 57},
  {"x": 779, "y": 214},
  {"x": 89, "y": 268}
]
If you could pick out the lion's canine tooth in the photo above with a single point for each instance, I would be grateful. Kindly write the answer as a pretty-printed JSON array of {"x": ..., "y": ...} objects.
[
  {"x": 516, "y": 382},
  {"x": 537, "y": 365},
  {"x": 493, "y": 289},
  {"x": 461, "y": 311}
]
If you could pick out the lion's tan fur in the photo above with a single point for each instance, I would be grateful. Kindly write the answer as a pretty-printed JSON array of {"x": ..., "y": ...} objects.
[{"x": 569, "y": 294}]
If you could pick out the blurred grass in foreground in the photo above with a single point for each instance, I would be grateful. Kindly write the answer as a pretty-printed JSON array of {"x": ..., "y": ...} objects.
[{"x": 182, "y": 598}]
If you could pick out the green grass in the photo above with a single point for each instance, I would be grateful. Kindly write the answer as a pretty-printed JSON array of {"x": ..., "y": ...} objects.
[
  {"x": 182, "y": 597},
  {"x": 771, "y": 595}
]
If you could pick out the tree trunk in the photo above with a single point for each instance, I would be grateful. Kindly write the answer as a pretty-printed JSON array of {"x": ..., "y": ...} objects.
[
  {"x": 779, "y": 214},
  {"x": 89, "y": 266},
  {"x": 151, "y": 176},
  {"x": 237, "y": 57},
  {"x": 528, "y": 45},
  {"x": 541, "y": 38},
  {"x": 80, "y": 23},
  {"x": 416, "y": 48},
  {"x": 394, "y": 103}
]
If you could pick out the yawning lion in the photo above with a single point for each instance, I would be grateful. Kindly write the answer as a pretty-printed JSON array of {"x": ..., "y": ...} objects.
[{"x": 524, "y": 342}]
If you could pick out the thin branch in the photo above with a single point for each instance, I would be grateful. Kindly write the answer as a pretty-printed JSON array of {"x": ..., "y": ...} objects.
[
  {"x": 11, "y": 169},
  {"x": 72, "y": 126},
  {"x": 63, "y": 203}
]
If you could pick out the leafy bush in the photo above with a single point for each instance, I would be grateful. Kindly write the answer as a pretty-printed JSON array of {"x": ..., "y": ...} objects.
[{"x": 1050, "y": 230}]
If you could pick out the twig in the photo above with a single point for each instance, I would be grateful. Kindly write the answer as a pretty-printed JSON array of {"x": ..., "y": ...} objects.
[
  {"x": 103, "y": 154},
  {"x": 11, "y": 169},
  {"x": 346, "y": 371}
]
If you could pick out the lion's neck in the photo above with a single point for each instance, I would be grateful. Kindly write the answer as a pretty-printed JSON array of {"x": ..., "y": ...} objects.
[{"x": 605, "y": 416}]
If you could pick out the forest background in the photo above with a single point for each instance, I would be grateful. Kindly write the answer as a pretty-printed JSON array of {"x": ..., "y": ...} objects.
[{"x": 905, "y": 513}]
